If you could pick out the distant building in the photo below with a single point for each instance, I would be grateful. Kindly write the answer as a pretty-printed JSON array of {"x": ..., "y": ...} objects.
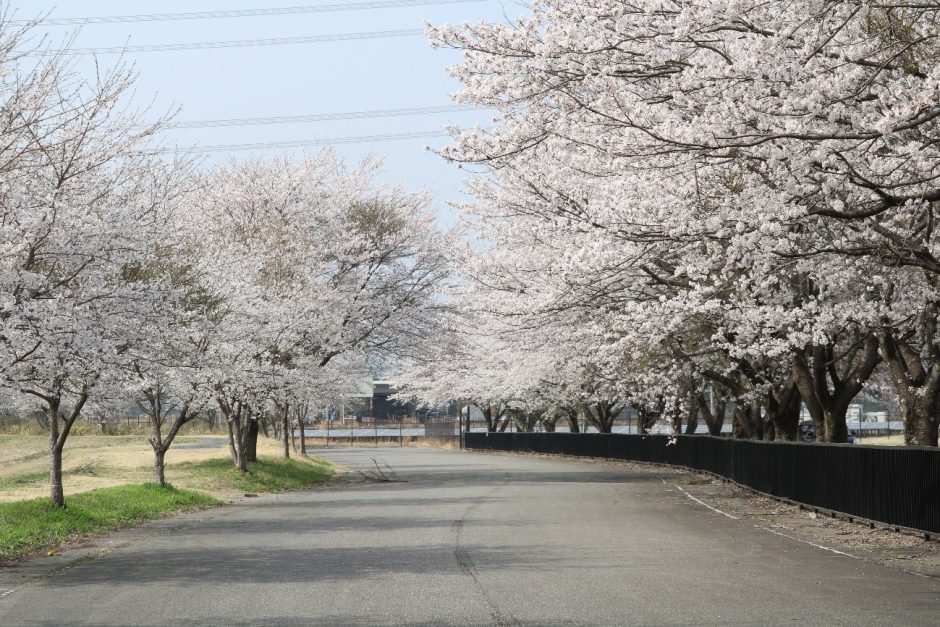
[
  {"x": 368, "y": 400},
  {"x": 385, "y": 409}
]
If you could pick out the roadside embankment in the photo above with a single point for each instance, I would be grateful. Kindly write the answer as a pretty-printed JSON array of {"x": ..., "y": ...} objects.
[{"x": 107, "y": 484}]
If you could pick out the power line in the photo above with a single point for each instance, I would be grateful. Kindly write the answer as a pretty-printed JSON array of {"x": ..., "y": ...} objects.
[
  {"x": 202, "y": 15},
  {"x": 360, "y": 139},
  {"x": 239, "y": 43},
  {"x": 324, "y": 117}
]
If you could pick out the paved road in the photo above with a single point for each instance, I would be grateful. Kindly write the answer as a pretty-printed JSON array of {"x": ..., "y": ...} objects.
[{"x": 471, "y": 539}]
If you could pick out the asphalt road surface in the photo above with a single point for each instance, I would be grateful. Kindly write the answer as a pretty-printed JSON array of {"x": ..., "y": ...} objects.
[{"x": 469, "y": 539}]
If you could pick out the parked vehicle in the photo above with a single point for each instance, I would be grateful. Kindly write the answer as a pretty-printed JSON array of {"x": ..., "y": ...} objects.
[{"x": 807, "y": 432}]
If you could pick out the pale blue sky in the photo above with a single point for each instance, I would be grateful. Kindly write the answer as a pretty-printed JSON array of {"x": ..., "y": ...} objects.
[{"x": 300, "y": 79}]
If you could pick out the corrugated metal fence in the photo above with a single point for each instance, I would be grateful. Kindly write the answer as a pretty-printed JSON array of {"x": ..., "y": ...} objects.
[
  {"x": 898, "y": 486},
  {"x": 442, "y": 428}
]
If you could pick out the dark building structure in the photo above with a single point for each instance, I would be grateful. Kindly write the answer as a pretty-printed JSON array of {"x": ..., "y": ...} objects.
[{"x": 385, "y": 409}]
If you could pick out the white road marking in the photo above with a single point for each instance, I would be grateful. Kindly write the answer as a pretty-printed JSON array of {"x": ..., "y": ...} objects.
[
  {"x": 701, "y": 502},
  {"x": 813, "y": 544},
  {"x": 763, "y": 528}
]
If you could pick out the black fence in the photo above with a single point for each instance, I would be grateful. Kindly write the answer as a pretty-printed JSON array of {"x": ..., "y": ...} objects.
[{"x": 899, "y": 486}]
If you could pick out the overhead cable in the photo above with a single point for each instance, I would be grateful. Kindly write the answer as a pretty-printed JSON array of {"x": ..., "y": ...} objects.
[
  {"x": 324, "y": 117},
  {"x": 203, "y": 15},
  {"x": 332, "y": 141},
  {"x": 238, "y": 43}
]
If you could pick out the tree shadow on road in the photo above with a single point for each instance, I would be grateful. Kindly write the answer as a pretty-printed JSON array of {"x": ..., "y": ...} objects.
[{"x": 268, "y": 565}]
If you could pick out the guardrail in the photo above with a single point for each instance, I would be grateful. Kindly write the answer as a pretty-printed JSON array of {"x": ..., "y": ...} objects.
[{"x": 898, "y": 486}]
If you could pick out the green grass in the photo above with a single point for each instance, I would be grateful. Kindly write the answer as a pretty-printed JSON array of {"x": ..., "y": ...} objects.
[
  {"x": 42, "y": 476},
  {"x": 27, "y": 527},
  {"x": 16, "y": 481},
  {"x": 265, "y": 475}
]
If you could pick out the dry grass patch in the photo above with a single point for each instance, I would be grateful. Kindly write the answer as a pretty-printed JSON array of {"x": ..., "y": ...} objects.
[
  {"x": 93, "y": 462},
  {"x": 883, "y": 440}
]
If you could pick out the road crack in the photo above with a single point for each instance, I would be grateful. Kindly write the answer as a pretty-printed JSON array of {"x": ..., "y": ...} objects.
[{"x": 468, "y": 566}]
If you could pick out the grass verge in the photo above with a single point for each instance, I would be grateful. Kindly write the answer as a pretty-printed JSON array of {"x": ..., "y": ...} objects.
[
  {"x": 32, "y": 526},
  {"x": 266, "y": 475},
  {"x": 27, "y": 527}
]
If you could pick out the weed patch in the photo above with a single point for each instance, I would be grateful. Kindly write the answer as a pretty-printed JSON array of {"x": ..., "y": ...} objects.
[
  {"x": 265, "y": 475},
  {"x": 29, "y": 478},
  {"x": 28, "y": 526}
]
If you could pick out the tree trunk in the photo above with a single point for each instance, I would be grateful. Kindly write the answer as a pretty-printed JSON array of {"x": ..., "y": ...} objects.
[
  {"x": 770, "y": 431},
  {"x": 571, "y": 417},
  {"x": 691, "y": 425},
  {"x": 713, "y": 420},
  {"x": 57, "y": 437},
  {"x": 647, "y": 417},
  {"x": 231, "y": 444},
  {"x": 917, "y": 386},
  {"x": 154, "y": 410},
  {"x": 525, "y": 421},
  {"x": 741, "y": 421},
  {"x": 920, "y": 424},
  {"x": 158, "y": 442},
  {"x": 769, "y": 419},
  {"x": 161, "y": 445},
  {"x": 285, "y": 428},
  {"x": 813, "y": 378},
  {"x": 919, "y": 413},
  {"x": 757, "y": 421},
  {"x": 491, "y": 417},
  {"x": 676, "y": 420},
  {"x": 744, "y": 422},
  {"x": 56, "y": 493},
  {"x": 240, "y": 429},
  {"x": 159, "y": 467},
  {"x": 837, "y": 430},
  {"x": 233, "y": 411},
  {"x": 783, "y": 412},
  {"x": 251, "y": 441},
  {"x": 601, "y": 416},
  {"x": 301, "y": 425},
  {"x": 241, "y": 446},
  {"x": 550, "y": 419}
]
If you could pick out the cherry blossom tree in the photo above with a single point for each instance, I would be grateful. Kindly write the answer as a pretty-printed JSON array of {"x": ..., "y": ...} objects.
[
  {"x": 736, "y": 183},
  {"x": 315, "y": 262},
  {"x": 164, "y": 364},
  {"x": 78, "y": 172}
]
